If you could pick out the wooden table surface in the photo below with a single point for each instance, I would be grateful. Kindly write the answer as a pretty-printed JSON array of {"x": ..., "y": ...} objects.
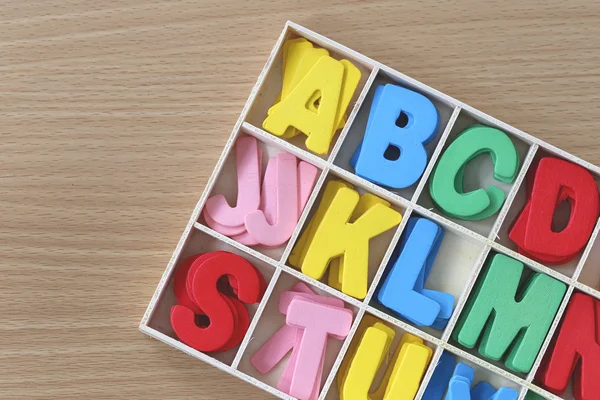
[{"x": 113, "y": 113}]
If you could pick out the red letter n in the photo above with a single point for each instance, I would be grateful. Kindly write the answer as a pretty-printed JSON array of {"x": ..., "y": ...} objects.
[{"x": 578, "y": 340}]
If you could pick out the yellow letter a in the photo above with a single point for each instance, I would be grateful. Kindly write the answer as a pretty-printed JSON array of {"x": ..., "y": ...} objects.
[{"x": 327, "y": 77}]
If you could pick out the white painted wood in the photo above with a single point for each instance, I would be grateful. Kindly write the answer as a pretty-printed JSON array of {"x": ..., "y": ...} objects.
[
  {"x": 283, "y": 145},
  {"x": 446, "y": 223},
  {"x": 186, "y": 349},
  {"x": 303, "y": 220},
  {"x": 462, "y": 300},
  {"x": 586, "y": 289},
  {"x": 369, "y": 186},
  {"x": 435, "y": 359},
  {"x": 261, "y": 385},
  {"x": 519, "y": 182},
  {"x": 436, "y": 154},
  {"x": 353, "y": 114},
  {"x": 546, "y": 394},
  {"x": 484, "y": 365},
  {"x": 168, "y": 271},
  {"x": 263, "y": 303},
  {"x": 322, "y": 286},
  {"x": 532, "y": 264},
  {"x": 237, "y": 245},
  {"x": 388, "y": 254},
  {"x": 402, "y": 325},
  {"x": 587, "y": 253},
  {"x": 522, "y": 393}
]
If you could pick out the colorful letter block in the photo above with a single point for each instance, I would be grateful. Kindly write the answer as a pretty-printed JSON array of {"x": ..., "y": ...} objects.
[
  {"x": 364, "y": 359},
  {"x": 440, "y": 378},
  {"x": 533, "y": 396},
  {"x": 336, "y": 265},
  {"x": 303, "y": 372},
  {"x": 459, "y": 387},
  {"x": 248, "y": 185},
  {"x": 264, "y": 216},
  {"x": 446, "y": 185},
  {"x": 316, "y": 92},
  {"x": 493, "y": 314},
  {"x": 556, "y": 180},
  {"x": 403, "y": 289},
  {"x": 576, "y": 352},
  {"x": 370, "y": 160},
  {"x": 456, "y": 381},
  {"x": 331, "y": 234},
  {"x": 228, "y": 316},
  {"x": 317, "y": 321}
]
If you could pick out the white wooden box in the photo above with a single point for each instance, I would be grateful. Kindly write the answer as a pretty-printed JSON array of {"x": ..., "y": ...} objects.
[{"x": 465, "y": 248}]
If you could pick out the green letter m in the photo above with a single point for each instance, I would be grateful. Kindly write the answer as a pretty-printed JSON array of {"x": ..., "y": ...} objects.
[{"x": 506, "y": 317}]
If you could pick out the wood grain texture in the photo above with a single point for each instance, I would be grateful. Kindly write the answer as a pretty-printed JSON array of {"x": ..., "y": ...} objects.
[{"x": 113, "y": 113}]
